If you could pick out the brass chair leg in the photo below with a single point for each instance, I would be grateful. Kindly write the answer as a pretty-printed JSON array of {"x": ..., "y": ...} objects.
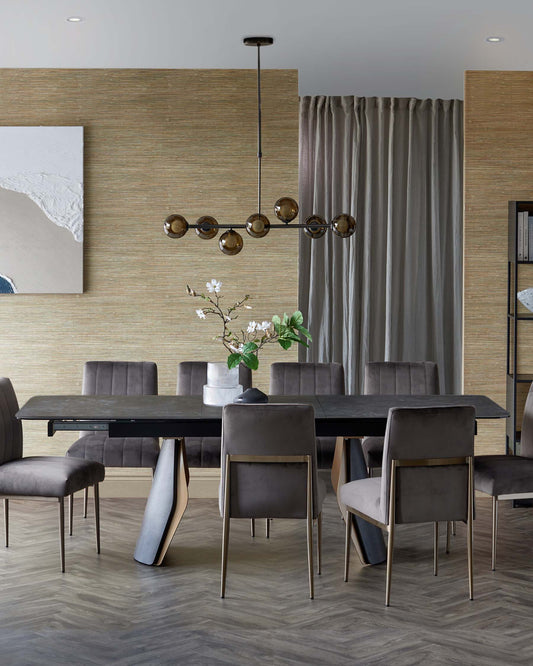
[
  {"x": 97, "y": 515},
  {"x": 85, "y": 502},
  {"x": 436, "y": 549},
  {"x": 70, "y": 513},
  {"x": 6, "y": 520},
  {"x": 319, "y": 544},
  {"x": 252, "y": 527},
  {"x": 448, "y": 533},
  {"x": 494, "y": 529},
  {"x": 225, "y": 532},
  {"x": 62, "y": 532},
  {"x": 348, "y": 522},
  {"x": 267, "y": 528},
  {"x": 310, "y": 528}
]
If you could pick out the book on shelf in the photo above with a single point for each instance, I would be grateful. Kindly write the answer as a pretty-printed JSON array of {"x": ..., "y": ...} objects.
[
  {"x": 520, "y": 236},
  {"x": 530, "y": 232},
  {"x": 526, "y": 235}
]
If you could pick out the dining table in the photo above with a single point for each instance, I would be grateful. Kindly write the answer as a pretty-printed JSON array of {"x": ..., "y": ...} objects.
[{"x": 172, "y": 418}]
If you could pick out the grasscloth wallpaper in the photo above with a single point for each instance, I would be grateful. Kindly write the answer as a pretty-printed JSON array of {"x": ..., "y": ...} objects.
[
  {"x": 156, "y": 142},
  {"x": 498, "y": 168}
]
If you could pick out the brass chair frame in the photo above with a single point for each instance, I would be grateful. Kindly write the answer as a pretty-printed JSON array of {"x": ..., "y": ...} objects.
[
  {"x": 420, "y": 462},
  {"x": 61, "y": 502},
  {"x": 261, "y": 459}
]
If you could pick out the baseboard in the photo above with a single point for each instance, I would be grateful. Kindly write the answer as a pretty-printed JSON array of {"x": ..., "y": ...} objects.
[{"x": 121, "y": 482}]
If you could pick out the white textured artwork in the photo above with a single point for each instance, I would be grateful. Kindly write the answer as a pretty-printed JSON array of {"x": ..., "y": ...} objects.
[{"x": 41, "y": 210}]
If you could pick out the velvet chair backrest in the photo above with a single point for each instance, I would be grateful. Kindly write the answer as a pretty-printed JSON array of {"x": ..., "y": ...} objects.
[
  {"x": 306, "y": 379},
  {"x": 428, "y": 494},
  {"x": 119, "y": 378},
  {"x": 10, "y": 426},
  {"x": 268, "y": 490},
  {"x": 401, "y": 378},
  {"x": 526, "y": 437}
]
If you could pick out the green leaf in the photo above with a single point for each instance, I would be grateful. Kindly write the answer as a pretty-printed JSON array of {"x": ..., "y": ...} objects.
[
  {"x": 276, "y": 320},
  {"x": 289, "y": 335},
  {"x": 297, "y": 318},
  {"x": 286, "y": 319},
  {"x": 251, "y": 361},
  {"x": 305, "y": 332},
  {"x": 234, "y": 360},
  {"x": 286, "y": 344},
  {"x": 249, "y": 347}
]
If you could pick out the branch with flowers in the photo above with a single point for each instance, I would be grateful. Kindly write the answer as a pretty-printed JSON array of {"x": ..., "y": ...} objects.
[{"x": 244, "y": 346}]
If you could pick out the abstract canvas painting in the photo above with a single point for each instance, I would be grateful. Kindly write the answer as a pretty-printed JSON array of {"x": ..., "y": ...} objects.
[{"x": 41, "y": 210}]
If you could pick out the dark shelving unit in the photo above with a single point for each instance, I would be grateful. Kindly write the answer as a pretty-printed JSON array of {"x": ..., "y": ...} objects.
[{"x": 514, "y": 378}]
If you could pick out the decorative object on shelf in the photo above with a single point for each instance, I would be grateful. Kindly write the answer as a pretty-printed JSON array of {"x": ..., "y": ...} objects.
[
  {"x": 526, "y": 298},
  {"x": 258, "y": 225},
  {"x": 244, "y": 346},
  {"x": 222, "y": 384}
]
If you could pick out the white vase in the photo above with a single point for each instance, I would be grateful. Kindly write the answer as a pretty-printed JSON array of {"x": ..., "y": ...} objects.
[{"x": 222, "y": 384}]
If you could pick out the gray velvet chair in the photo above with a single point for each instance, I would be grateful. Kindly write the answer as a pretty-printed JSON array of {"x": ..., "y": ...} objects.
[
  {"x": 116, "y": 378},
  {"x": 508, "y": 477},
  {"x": 427, "y": 476},
  {"x": 39, "y": 476},
  {"x": 395, "y": 378},
  {"x": 192, "y": 375},
  {"x": 269, "y": 470},
  {"x": 310, "y": 379}
]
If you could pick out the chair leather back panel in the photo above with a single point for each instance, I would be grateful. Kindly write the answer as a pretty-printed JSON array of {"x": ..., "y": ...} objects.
[
  {"x": 119, "y": 378},
  {"x": 306, "y": 379},
  {"x": 401, "y": 378},
  {"x": 268, "y": 490},
  {"x": 192, "y": 375},
  {"x": 427, "y": 494},
  {"x": 10, "y": 426}
]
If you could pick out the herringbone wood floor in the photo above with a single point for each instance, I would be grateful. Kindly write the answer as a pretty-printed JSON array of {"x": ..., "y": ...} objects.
[{"x": 108, "y": 609}]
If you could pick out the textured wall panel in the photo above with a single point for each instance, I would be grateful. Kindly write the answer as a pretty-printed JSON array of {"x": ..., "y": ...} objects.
[
  {"x": 498, "y": 168},
  {"x": 156, "y": 142}
]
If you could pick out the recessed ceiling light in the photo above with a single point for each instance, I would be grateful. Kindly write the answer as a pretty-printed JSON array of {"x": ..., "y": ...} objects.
[
  {"x": 494, "y": 39},
  {"x": 74, "y": 19}
]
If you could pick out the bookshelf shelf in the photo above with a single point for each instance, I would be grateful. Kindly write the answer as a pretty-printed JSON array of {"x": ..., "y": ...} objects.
[{"x": 520, "y": 237}]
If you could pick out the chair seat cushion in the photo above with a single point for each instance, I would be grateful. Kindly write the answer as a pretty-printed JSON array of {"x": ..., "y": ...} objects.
[
  {"x": 364, "y": 496},
  {"x": 48, "y": 476},
  {"x": 117, "y": 451},
  {"x": 503, "y": 475},
  {"x": 373, "y": 450}
]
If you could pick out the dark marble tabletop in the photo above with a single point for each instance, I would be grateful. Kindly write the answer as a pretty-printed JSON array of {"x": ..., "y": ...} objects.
[{"x": 168, "y": 416}]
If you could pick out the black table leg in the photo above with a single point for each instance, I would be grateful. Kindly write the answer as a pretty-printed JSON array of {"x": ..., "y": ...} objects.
[{"x": 166, "y": 503}]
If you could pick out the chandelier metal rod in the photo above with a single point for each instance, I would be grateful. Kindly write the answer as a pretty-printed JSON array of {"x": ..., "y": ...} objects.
[
  {"x": 259, "y": 147},
  {"x": 316, "y": 225}
]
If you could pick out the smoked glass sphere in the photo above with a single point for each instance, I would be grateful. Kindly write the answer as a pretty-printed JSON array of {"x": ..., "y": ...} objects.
[
  {"x": 257, "y": 225},
  {"x": 207, "y": 227},
  {"x": 315, "y": 226},
  {"x": 286, "y": 209},
  {"x": 230, "y": 242},
  {"x": 343, "y": 225},
  {"x": 175, "y": 226}
]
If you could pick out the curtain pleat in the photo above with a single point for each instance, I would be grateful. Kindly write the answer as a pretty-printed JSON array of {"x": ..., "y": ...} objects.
[{"x": 393, "y": 291}]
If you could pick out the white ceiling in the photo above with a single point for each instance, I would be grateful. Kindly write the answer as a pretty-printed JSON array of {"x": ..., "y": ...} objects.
[{"x": 402, "y": 48}]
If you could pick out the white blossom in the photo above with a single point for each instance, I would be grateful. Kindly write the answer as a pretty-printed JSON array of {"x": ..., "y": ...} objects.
[
  {"x": 213, "y": 286},
  {"x": 201, "y": 314},
  {"x": 248, "y": 307},
  {"x": 264, "y": 325},
  {"x": 252, "y": 326}
]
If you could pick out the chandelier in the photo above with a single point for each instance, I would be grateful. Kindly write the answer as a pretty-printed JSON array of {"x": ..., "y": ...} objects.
[{"x": 258, "y": 225}]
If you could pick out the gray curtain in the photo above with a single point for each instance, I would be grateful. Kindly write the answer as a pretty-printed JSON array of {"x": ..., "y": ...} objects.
[{"x": 392, "y": 292}]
